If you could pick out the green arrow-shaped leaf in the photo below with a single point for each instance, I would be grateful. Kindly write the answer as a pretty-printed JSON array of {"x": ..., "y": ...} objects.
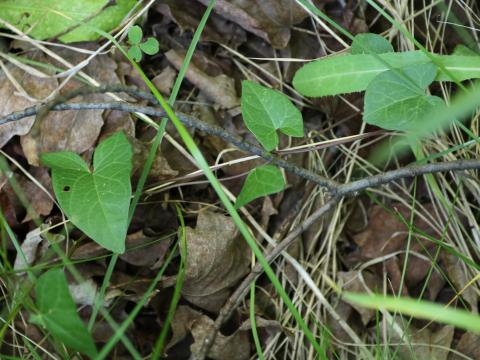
[
  {"x": 96, "y": 201},
  {"x": 265, "y": 111},
  {"x": 396, "y": 99},
  {"x": 262, "y": 181},
  {"x": 58, "y": 313}
]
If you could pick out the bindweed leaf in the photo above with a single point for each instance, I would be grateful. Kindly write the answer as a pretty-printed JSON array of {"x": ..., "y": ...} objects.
[
  {"x": 396, "y": 100},
  {"x": 58, "y": 313},
  {"x": 150, "y": 46},
  {"x": 370, "y": 44},
  {"x": 464, "y": 51},
  {"x": 135, "y": 35},
  {"x": 135, "y": 53},
  {"x": 265, "y": 111},
  {"x": 96, "y": 201},
  {"x": 261, "y": 181},
  {"x": 344, "y": 74}
]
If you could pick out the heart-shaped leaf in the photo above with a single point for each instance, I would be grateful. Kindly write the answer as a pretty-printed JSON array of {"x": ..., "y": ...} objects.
[
  {"x": 396, "y": 99},
  {"x": 96, "y": 201},
  {"x": 150, "y": 46},
  {"x": 58, "y": 313},
  {"x": 370, "y": 44},
  {"x": 265, "y": 111},
  {"x": 261, "y": 181},
  {"x": 135, "y": 35}
]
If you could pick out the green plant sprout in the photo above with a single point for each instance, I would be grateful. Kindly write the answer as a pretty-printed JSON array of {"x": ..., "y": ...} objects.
[
  {"x": 96, "y": 201},
  {"x": 149, "y": 46},
  {"x": 395, "y": 83}
]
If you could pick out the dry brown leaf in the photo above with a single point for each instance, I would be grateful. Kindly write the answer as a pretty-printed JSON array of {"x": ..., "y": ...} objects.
[
  {"x": 217, "y": 29},
  {"x": 220, "y": 89},
  {"x": 233, "y": 347},
  {"x": 266, "y": 329},
  {"x": 72, "y": 130},
  {"x": 269, "y": 19},
  {"x": 40, "y": 201},
  {"x": 457, "y": 273},
  {"x": 161, "y": 168},
  {"x": 69, "y": 130},
  {"x": 165, "y": 80},
  {"x": 428, "y": 344},
  {"x": 216, "y": 259},
  {"x": 143, "y": 250},
  {"x": 11, "y": 100},
  {"x": 386, "y": 233},
  {"x": 118, "y": 121},
  {"x": 352, "y": 282},
  {"x": 184, "y": 316},
  {"x": 468, "y": 345}
]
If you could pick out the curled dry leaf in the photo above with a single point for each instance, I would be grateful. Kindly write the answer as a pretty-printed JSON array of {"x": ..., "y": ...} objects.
[
  {"x": 269, "y": 19},
  {"x": 187, "y": 320},
  {"x": 216, "y": 259},
  {"x": 234, "y": 347},
  {"x": 220, "y": 89}
]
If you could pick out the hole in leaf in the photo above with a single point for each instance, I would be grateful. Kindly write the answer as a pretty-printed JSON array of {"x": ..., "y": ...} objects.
[{"x": 66, "y": 188}]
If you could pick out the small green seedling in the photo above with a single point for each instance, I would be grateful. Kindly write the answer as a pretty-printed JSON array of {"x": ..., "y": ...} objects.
[
  {"x": 149, "y": 46},
  {"x": 264, "y": 112},
  {"x": 58, "y": 314},
  {"x": 395, "y": 83},
  {"x": 261, "y": 181},
  {"x": 96, "y": 200}
]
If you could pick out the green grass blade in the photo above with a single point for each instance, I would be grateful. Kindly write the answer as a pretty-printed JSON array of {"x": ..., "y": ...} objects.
[
  {"x": 126, "y": 323},
  {"x": 203, "y": 165},
  {"x": 253, "y": 322},
  {"x": 419, "y": 309},
  {"x": 160, "y": 343}
]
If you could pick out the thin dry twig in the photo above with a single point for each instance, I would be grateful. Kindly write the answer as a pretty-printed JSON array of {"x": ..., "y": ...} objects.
[{"x": 60, "y": 104}]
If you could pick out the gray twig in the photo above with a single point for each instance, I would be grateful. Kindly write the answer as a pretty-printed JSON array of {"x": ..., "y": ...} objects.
[{"x": 188, "y": 121}]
